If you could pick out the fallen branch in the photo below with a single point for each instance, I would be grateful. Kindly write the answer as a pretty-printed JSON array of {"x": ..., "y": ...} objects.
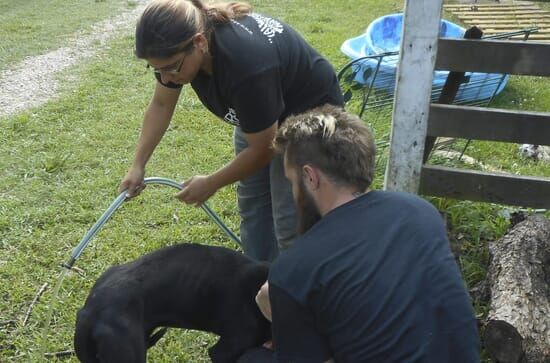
[
  {"x": 455, "y": 155},
  {"x": 518, "y": 323},
  {"x": 78, "y": 270},
  {"x": 74, "y": 269},
  {"x": 8, "y": 322},
  {"x": 7, "y": 347},
  {"x": 62, "y": 354},
  {"x": 34, "y": 301}
]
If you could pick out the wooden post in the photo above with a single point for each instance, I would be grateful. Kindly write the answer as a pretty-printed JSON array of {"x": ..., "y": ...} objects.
[{"x": 412, "y": 94}]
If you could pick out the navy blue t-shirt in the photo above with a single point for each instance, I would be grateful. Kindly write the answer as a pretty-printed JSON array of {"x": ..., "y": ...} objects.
[
  {"x": 263, "y": 71},
  {"x": 373, "y": 281}
]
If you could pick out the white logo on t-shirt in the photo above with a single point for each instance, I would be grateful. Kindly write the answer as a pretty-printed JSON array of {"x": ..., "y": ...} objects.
[
  {"x": 231, "y": 117},
  {"x": 270, "y": 27},
  {"x": 242, "y": 26}
]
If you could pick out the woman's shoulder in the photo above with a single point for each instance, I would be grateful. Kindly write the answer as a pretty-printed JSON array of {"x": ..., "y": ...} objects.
[
  {"x": 251, "y": 34},
  {"x": 240, "y": 51}
]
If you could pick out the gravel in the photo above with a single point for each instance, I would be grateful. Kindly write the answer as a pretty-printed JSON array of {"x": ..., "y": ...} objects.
[{"x": 33, "y": 81}]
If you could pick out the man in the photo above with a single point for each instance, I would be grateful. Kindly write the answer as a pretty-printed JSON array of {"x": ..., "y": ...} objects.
[{"x": 371, "y": 277}]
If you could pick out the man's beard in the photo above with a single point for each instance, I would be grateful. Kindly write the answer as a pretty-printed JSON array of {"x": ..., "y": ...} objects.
[{"x": 308, "y": 213}]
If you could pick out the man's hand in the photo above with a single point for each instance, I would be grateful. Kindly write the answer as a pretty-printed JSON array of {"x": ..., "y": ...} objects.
[
  {"x": 262, "y": 299},
  {"x": 197, "y": 190}
]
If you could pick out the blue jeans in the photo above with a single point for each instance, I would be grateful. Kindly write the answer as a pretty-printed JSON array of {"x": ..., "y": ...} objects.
[{"x": 266, "y": 206}]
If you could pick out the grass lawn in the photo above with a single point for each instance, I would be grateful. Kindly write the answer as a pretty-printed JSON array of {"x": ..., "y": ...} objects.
[
  {"x": 37, "y": 26},
  {"x": 60, "y": 165}
]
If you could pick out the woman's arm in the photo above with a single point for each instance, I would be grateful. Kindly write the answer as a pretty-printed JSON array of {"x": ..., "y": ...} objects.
[
  {"x": 156, "y": 120},
  {"x": 258, "y": 154}
]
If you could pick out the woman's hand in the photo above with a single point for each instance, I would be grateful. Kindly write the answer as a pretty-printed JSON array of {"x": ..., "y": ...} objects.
[
  {"x": 133, "y": 182},
  {"x": 197, "y": 190}
]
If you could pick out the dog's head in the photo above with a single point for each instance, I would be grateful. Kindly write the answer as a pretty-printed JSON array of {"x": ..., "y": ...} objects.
[{"x": 529, "y": 151}]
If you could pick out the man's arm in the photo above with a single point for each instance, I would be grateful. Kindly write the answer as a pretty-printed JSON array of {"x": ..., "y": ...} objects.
[
  {"x": 262, "y": 299},
  {"x": 296, "y": 337}
]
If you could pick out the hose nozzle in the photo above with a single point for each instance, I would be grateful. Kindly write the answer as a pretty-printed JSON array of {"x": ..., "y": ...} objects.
[{"x": 69, "y": 264}]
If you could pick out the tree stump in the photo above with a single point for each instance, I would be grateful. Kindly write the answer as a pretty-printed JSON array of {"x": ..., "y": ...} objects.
[{"x": 518, "y": 327}]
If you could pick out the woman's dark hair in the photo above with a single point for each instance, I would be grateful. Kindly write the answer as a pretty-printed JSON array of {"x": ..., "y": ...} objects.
[{"x": 166, "y": 27}]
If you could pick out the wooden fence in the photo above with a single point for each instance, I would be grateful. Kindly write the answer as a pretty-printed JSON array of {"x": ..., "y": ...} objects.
[{"x": 471, "y": 55}]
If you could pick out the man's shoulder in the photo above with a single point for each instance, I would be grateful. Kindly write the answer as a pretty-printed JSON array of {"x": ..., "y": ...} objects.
[
  {"x": 400, "y": 202},
  {"x": 300, "y": 259},
  {"x": 295, "y": 255},
  {"x": 399, "y": 197}
]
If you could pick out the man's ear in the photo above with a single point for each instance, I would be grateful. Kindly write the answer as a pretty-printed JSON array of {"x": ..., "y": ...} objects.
[{"x": 311, "y": 177}]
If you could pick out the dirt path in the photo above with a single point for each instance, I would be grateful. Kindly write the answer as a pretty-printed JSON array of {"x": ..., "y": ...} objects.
[{"x": 32, "y": 82}]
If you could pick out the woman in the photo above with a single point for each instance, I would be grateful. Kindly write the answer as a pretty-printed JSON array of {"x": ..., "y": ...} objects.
[{"x": 251, "y": 71}]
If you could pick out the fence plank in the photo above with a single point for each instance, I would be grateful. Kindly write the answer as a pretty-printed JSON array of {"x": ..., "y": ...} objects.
[
  {"x": 499, "y": 12},
  {"x": 480, "y": 123},
  {"x": 492, "y": 9},
  {"x": 522, "y": 21},
  {"x": 482, "y": 6},
  {"x": 486, "y": 187},
  {"x": 418, "y": 48},
  {"x": 493, "y": 56},
  {"x": 516, "y": 15},
  {"x": 503, "y": 17},
  {"x": 496, "y": 28}
]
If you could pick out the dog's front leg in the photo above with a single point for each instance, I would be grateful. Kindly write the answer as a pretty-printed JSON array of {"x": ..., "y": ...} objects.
[
  {"x": 225, "y": 351},
  {"x": 121, "y": 346},
  {"x": 120, "y": 335}
]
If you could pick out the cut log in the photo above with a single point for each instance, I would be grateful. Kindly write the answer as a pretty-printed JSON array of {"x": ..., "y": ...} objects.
[{"x": 518, "y": 327}]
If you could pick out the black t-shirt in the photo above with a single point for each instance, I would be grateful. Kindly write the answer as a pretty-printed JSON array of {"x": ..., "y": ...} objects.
[
  {"x": 263, "y": 71},
  {"x": 373, "y": 281}
]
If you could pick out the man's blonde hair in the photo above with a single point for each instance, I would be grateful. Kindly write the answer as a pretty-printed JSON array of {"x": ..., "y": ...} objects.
[{"x": 334, "y": 141}]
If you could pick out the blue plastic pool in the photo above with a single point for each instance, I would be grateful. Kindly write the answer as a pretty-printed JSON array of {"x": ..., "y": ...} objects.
[{"x": 383, "y": 35}]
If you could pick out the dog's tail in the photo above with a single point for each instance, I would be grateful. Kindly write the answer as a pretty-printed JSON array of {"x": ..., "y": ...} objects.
[
  {"x": 155, "y": 337},
  {"x": 84, "y": 344}
]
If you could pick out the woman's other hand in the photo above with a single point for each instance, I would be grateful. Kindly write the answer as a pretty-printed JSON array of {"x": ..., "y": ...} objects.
[{"x": 197, "y": 190}]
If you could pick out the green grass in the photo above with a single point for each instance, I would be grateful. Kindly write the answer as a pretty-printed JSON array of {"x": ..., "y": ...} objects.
[
  {"x": 34, "y": 27},
  {"x": 61, "y": 164}
]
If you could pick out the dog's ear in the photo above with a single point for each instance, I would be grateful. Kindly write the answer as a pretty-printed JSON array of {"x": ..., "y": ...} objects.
[{"x": 155, "y": 337}]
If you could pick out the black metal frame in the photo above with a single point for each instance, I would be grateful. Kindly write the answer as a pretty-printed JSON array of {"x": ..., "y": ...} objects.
[
  {"x": 383, "y": 98},
  {"x": 349, "y": 85}
]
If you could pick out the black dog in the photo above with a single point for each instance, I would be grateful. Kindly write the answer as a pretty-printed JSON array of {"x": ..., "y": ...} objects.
[{"x": 187, "y": 286}]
